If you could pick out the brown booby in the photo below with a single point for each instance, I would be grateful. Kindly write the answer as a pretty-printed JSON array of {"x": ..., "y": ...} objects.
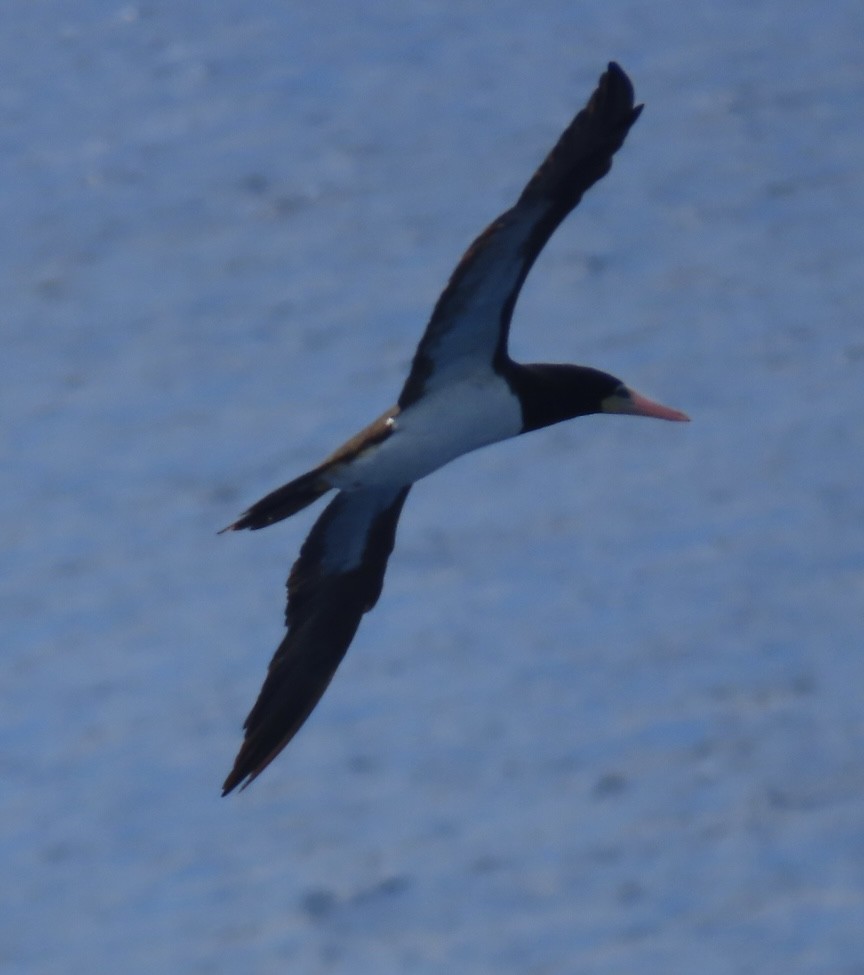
[{"x": 463, "y": 392}]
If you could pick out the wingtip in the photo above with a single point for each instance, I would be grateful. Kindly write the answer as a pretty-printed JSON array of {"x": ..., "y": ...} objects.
[
  {"x": 230, "y": 784},
  {"x": 618, "y": 76},
  {"x": 245, "y": 772},
  {"x": 235, "y": 779},
  {"x": 614, "y": 69}
]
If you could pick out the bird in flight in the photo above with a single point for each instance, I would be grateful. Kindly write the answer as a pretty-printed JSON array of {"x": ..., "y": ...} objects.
[{"x": 463, "y": 391}]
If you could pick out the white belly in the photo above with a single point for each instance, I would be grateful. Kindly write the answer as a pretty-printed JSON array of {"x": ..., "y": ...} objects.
[{"x": 439, "y": 428}]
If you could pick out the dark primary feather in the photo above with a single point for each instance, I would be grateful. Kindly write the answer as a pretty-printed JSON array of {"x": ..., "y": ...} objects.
[
  {"x": 337, "y": 578},
  {"x": 471, "y": 320}
]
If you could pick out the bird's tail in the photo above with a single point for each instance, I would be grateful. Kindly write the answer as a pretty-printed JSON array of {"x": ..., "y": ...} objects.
[{"x": 283, "y": 502}]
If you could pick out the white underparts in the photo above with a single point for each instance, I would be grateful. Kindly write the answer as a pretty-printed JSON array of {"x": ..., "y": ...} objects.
[{"x": 438, "y": 428}]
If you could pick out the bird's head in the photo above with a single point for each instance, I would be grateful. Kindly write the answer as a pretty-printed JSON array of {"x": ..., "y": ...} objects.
[{"x": 552, "y": 393}]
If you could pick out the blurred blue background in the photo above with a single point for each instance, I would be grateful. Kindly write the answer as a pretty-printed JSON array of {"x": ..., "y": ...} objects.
[{"x": 607, "y": 715}]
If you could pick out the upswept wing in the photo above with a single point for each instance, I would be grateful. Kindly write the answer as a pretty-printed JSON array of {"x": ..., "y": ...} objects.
[
  {"x": 336, "y": 579},
  {"x": 470, "y": 323}
]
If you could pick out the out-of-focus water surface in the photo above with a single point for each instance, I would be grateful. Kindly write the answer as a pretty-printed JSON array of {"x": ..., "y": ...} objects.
[{"x": 607, "y": 716}]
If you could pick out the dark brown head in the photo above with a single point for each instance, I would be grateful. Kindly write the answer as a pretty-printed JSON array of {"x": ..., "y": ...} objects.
[{"x": 552, "y": 393}]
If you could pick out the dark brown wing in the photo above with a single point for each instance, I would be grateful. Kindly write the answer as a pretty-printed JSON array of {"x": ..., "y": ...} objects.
[
  {"x": 337, "y": 578},
  {"x": 470, "y": 323}
]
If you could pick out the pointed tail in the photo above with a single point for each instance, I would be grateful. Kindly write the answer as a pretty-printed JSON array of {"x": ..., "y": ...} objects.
[{"x": 283, "y": 502}]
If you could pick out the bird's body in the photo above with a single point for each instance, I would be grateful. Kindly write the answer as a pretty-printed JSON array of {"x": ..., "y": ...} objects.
[
  {"x": 463, "y": 392},
  {"x": 444, "y": 425}
]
